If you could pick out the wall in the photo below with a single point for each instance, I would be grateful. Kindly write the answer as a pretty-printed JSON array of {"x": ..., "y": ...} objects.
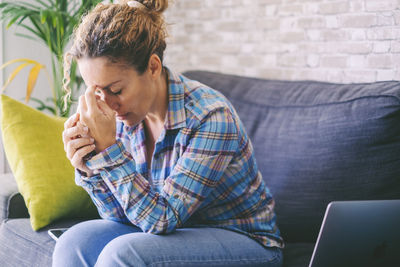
[
  {"x": 2, "y": 156},
  {"x": 329, "y": 40},
  {"x": 13, "y": 47},
  {"x": 17, "y": 47}
]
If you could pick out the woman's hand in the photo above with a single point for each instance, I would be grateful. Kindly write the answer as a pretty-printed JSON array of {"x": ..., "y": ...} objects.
[
  {"x": 77, "y": 143},
  {"x": 99, "y": 118}
]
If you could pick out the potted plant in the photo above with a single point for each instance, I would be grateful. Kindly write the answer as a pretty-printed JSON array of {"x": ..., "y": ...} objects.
[{"x": 51, "y": 22}]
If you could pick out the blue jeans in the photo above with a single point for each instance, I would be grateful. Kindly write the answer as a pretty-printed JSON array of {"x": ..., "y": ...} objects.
[{"x": 108, "y": 243}]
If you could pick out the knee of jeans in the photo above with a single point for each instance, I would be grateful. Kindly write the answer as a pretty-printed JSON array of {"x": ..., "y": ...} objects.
[
  {"x": 121, "y": 252},
  {"x": 72, "y": 245}
]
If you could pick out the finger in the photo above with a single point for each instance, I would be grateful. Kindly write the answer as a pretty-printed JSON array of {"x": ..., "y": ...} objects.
[
  {"x": 71, "y": 121},
  {"x": 90, "y": 98},
  {"x": 74, "y": 132},
  {"x": 80, "y": 142},
  {"x": 77, "y": 144},
  {"x": 83, "y": 110},
  {"x": 82, "y": 126},
  {"x": 76, "y": 160},
  {"x": 71, "y": 146},
  {"x": 78, "y": 109},
  {"x": 66, "y": 137},
  {"x": 82, "y": 105}
]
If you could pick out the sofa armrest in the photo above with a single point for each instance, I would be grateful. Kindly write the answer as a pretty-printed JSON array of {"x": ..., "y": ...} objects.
[{"x": 12, "y": 204}]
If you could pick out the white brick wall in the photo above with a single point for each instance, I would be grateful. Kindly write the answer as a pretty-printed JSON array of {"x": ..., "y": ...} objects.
[{"x": 329, "y": 40}]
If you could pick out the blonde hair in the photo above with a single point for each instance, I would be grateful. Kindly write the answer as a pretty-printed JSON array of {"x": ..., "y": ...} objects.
[{"x": 122, "y": 32}]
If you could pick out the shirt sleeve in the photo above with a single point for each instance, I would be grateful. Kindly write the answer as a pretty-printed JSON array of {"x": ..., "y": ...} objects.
[
  {"x": 107, "y": 206},
  {"x": 209, "y": 151}
]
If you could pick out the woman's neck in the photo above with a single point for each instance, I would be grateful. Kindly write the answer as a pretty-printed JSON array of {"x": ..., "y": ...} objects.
[{"x": 160, "y": 106}]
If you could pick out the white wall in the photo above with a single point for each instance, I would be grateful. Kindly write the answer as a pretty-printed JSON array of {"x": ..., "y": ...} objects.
[
  {"x": 12, "y": 47},
  {"x": 19, "y": 47},
  {"x": 2, "y": 156},
  {"x": 328, "y": 40}
]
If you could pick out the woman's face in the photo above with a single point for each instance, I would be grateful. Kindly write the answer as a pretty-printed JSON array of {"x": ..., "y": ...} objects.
[{"x": 125, "y": 91}]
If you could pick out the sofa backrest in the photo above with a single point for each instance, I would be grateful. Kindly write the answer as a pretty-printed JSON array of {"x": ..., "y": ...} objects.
[{"x": 317, "y": 142}]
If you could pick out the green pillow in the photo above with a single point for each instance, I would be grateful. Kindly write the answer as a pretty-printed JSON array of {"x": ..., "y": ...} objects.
[{"x": 45, "y": 177}]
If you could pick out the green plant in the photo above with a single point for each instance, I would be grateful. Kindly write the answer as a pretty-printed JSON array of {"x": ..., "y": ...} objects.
[{"x": 51, "y": 22}]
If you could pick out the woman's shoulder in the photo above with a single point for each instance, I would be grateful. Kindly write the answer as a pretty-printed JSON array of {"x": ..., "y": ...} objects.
[
  {"x": 203, "y": 96},
  {"x": 198, "y": 99}
]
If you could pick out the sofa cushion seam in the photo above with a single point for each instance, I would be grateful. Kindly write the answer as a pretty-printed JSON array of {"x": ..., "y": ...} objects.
[
  {"x": 21, "y": 236},
  {"x": 320, "y": 104}
]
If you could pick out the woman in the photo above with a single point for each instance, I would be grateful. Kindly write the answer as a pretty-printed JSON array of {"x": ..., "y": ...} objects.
[{"x": 173, "y": 173}]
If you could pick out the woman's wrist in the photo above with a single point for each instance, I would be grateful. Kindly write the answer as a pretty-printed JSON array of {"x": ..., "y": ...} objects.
[{"x": 104, "y": 146}]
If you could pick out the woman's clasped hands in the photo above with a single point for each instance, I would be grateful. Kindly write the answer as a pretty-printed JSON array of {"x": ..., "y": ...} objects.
[{"x": 91, "y": 128}]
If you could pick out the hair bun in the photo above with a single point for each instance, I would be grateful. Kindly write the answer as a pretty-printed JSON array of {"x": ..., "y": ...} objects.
[
  {"x": 154, "y": 5},
  {"x": 136, "y": 4}
]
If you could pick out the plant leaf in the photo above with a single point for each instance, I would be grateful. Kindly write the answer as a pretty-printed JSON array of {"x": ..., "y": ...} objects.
[
  {"x": 43, "y": 16},
  {"x": 33, "y": 74},
  {"x": 27, "y": 36},
  {"x": 54, "y": 19},
  {"x": 21, "y": 19},
  {"x": 43, "y": 4},
  {"x": 30, "y": 6},
  {"x": 43, "y": 106},
  {"x": 13, "y": 74},
  {"x": 38, "y": 101},
  {"x": 61, "y": 20},
  {"x": 52, "y": 22},
  {"x": 17, "y": 15},
  {"x": 39, "y": 27},
  {"x": 26, "y": 60}
]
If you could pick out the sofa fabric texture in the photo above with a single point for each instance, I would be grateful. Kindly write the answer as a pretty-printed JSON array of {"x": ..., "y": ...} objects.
[
  {"x": 318, "y": 142},
  {"x": 12, "y": 204},
  {"x": 314, "y": 143}
]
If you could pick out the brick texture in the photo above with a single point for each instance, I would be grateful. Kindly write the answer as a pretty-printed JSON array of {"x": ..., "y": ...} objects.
[{"x": 341, "y": 41}]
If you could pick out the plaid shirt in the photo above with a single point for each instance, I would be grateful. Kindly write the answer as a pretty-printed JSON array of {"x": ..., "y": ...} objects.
[{"x": 203, "y": 172}]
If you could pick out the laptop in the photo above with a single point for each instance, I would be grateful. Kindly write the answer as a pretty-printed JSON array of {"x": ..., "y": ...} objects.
[{"x": 359, "y": 233}]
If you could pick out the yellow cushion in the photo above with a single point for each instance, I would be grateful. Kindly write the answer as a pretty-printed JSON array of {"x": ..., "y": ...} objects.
[{"x": 45, "y": 177}]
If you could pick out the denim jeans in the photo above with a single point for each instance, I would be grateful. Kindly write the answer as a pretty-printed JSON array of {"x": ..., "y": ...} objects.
[{"x": 108, "y": 243}]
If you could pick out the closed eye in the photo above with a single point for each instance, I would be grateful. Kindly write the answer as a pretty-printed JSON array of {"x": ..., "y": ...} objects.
[{"x": 112, "y": 92}]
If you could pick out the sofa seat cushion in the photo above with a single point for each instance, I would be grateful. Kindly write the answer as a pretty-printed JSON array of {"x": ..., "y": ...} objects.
[
  {"x": 297, "y": 254},
  {"x": 21, "y": 246}
]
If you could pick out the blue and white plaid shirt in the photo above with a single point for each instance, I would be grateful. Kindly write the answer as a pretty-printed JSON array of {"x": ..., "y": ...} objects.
[{"x": 203, "y": 171}]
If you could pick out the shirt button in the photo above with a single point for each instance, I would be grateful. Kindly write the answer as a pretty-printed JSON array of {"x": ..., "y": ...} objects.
[
  {"x": 190, "y": 104},
  {"x": 176, "y": 196}
]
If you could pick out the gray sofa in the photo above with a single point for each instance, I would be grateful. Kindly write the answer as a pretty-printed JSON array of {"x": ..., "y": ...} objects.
[{"x": 315, "y": 142}]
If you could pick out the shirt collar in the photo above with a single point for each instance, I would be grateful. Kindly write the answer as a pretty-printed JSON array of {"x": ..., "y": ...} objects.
[{"x": 176, "y": 116}]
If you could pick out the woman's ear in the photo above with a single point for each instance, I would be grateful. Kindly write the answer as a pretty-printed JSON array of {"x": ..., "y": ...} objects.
[{"x": 155, "y": 66}]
